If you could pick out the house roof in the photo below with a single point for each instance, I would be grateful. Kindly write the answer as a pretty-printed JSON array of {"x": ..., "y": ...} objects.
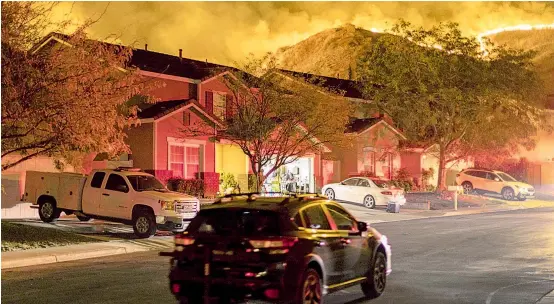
[
  {"x": 361, "y": 125},
  {"x": 164, "y": 108},
  {"x": 350, "y": 88},
  {"x": 358, "y": 125}
]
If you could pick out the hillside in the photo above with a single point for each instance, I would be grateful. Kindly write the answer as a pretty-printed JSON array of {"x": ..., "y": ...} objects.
[{"x": 334, "y": 52}]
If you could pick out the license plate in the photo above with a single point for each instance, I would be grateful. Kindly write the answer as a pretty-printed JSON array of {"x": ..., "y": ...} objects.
[{"x": 185, "y": 208}]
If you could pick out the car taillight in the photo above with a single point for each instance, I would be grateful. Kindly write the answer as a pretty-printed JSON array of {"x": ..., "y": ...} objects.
[
  {"x": 386, "y": 192},
  {"x": 183, "y": 240},
  {"x": 274, "y": 243}
]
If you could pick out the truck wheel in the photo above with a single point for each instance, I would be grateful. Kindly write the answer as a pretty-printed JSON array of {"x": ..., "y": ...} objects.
[
  {"x": 47, "y": 210},
  {"x": 144, "y": 223},
  {"x": 83, "y": 218}
]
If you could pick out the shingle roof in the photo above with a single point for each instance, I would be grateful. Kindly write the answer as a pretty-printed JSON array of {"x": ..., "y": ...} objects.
[
  {"x": 358, "y": 125},
  {"x": 349, "y": 87},
  {"x": 162, "y": 108}
]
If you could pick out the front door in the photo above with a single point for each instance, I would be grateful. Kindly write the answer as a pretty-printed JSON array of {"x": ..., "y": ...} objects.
[
  {"x": 92, "y": 193},
  {"x": 115, "y": 197}
]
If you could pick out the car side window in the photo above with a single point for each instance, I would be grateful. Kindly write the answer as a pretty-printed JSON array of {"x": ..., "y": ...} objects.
[
  {"x": 298, "y": 220},
  {"x": 315, "y": 218},
  {"x": 351, "y": 182},
  {"x": 117, "y": 183},
  {"x": 492, "y": 176},
  {"x": 342, "y": 219},
  {"x": 97, "y": 179},
  {"x": 480, "y": 174},
  {"x": 363, "y": 183}
]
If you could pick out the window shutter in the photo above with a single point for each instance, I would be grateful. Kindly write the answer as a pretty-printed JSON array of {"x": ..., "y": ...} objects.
[
  {"x": 229, "y": 106},
  {"x": 210, "y": 102},
  {"x": 186, "y": 118}
]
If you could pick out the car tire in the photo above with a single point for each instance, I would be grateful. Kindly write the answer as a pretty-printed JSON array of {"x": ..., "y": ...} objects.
[
  {"x": 47, "y": 210},
  {"x": 310, "y": 287},
  {"x": 508, "y": 194},
  {"x": 83, "y": 218},
  {"x": 330, "y": 194},
  {"x": 144, "y": 223},
  {"x": 369, "y": 202},
  {"x": 468, "y": 188},
  {"x": 376, "y": 281}
]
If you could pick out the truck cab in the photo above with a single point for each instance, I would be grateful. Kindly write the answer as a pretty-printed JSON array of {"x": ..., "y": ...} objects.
[{"x": 122, "y": 195}]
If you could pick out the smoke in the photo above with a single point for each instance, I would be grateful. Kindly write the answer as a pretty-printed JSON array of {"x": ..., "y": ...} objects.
[{"x": 225, "y": 32}]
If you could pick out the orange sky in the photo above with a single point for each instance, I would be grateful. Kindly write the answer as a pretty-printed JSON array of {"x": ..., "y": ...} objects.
[{"x": 224, "y": 32}]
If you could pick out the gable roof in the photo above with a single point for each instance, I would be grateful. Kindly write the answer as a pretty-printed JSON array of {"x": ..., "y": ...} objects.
[
  {"x": 361, "y": 125},
  {"x": 163, "y": 108},
  {"x": 350, "y": 88}
]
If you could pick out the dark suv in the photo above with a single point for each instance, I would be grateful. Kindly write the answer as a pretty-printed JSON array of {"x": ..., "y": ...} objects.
[{"x": 279, "y": 249}]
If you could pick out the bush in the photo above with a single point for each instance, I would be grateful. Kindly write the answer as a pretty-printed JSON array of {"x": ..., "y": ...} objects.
[
  {"x": 406, "y": 185},
  {"x": 228, "y": 181},
  {"x": 194, "y": 187},
  {"x": 403, "y": 174},
  {"x": 366, "y": 174}
]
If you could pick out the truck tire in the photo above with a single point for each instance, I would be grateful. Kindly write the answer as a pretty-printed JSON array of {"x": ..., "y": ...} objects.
[
  {"x": 83, "y": 218},
  {"x": 47, "y": 210},
  {"x": 144, "y": 223}
]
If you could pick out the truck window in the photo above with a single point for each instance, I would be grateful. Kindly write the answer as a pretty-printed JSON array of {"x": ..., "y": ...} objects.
[
  {"x": 97, "y": 179},
  {"x": 116, "y": 183}
]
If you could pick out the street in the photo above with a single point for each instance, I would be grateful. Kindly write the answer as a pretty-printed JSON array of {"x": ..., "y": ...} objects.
[{"x": 492, "y": 258}]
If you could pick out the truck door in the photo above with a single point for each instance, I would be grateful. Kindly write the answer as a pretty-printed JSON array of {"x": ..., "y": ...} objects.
[
  {"x": 92, "y": 193},
  {"x": 115, "y": 196}
]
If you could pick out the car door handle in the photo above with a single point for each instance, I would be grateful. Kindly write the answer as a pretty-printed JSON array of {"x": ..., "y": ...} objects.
[
  {"x": 345, "y": 241},
  {"x": 105, "y": 194}
]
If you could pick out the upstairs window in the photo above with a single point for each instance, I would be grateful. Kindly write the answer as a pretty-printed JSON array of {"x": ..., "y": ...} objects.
[{"x": 220, "y": 105}]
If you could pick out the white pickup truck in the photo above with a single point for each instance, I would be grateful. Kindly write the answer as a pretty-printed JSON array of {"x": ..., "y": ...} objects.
[{"x": 126, "y": 196}]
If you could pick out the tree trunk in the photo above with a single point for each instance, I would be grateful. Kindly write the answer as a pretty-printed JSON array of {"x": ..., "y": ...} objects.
[{"x": 441, "y": 183}]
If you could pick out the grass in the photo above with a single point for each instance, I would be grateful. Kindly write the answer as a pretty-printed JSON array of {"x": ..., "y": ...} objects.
[{"x": 22, "y": 237}]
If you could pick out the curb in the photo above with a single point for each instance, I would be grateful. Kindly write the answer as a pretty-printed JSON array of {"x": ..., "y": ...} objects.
[
  {"x": 547, "y": 298},
  {"x": 13, "y": 259}
]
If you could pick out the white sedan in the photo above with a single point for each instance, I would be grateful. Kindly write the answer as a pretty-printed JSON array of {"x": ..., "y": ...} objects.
[{"x": 362, "y": 190}]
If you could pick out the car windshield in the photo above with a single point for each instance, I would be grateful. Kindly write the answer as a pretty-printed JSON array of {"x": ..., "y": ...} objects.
[
  {"x": 145, "y": 183},
  {"x": 505, "y": 177},
  {"x": 243, "y": 222},
  {"x": 381, "y": 183}
]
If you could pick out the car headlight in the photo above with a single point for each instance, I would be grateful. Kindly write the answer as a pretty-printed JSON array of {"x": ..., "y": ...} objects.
[{"x": 167, "y": 205}]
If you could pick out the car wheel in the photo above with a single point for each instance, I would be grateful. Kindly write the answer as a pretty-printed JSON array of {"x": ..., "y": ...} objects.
[
  {"x": 144, "y": 224},
  {"x": 330, "y": 194},
  {"x": 508, "y": 194},
  {"x": 311, "y": 291},
  {"x": 369, "y": 202},
  {"x": 376, "y": 281},
  {"x": 468, "y": 187},
  {"x": 47, "y": 211},
  {"x": 83, "y": 218}
]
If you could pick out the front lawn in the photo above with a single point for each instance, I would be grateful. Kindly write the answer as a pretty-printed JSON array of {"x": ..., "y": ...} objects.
[{"x": 22, "y": 237}]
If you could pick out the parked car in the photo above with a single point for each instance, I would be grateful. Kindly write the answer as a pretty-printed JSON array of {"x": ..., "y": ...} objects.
[
  {"x": 490, "y": 181},
  {"x": 122, "y": 195},
  {"x": 277, "y": 249},
  {"x": 363, "y": 190}
]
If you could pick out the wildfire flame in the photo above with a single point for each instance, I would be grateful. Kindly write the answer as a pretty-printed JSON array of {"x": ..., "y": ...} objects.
[{"x": 520, "y": 27}]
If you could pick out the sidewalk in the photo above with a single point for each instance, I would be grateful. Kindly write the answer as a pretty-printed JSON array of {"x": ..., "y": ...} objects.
[
  {"x": 547, "y": 299},
  {"x": 12, "y": 259}
]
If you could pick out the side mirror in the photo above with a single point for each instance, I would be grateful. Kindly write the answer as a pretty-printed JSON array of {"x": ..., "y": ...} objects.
[
  {"x": 122, "y": 188},
  {"x": 362, "y": 226}
]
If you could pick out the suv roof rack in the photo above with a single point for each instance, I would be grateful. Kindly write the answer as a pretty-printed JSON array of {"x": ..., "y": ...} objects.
[
  {"x": 130, "y": 169},
  {"x": 251, "y": 196}
]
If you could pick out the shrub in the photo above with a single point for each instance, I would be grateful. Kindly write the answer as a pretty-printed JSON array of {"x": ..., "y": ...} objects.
[
  {"x": 403, "y": 174},
  {"x": 228, "y": 181},
  {"x": 194, "y": 187},
  {"x": 406, "y": 185},
  {"x": 366, "y": 174}
]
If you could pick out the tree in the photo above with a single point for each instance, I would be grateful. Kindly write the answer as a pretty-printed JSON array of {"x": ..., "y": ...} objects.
[
  {"x": 441, "y": 88},
  {"x": 62, "y": 99},
  {"x": 275, "y": 119}
]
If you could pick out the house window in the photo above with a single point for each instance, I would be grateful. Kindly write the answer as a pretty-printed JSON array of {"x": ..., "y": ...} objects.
[
  {"x": 184, "y": 161},
  {"x": 219, "y": 105},
  {"x": 369, "y": 159},
  {"x": 186, "y": 118}
]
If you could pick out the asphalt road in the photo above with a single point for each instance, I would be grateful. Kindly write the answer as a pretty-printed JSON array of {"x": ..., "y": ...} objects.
[{"x": 492, "y": 258}]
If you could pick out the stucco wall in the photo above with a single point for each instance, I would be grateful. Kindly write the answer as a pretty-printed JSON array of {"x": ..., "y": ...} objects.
[
  {"x": 141, "y": 142},
  {"x": 230, "y": 159}
]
